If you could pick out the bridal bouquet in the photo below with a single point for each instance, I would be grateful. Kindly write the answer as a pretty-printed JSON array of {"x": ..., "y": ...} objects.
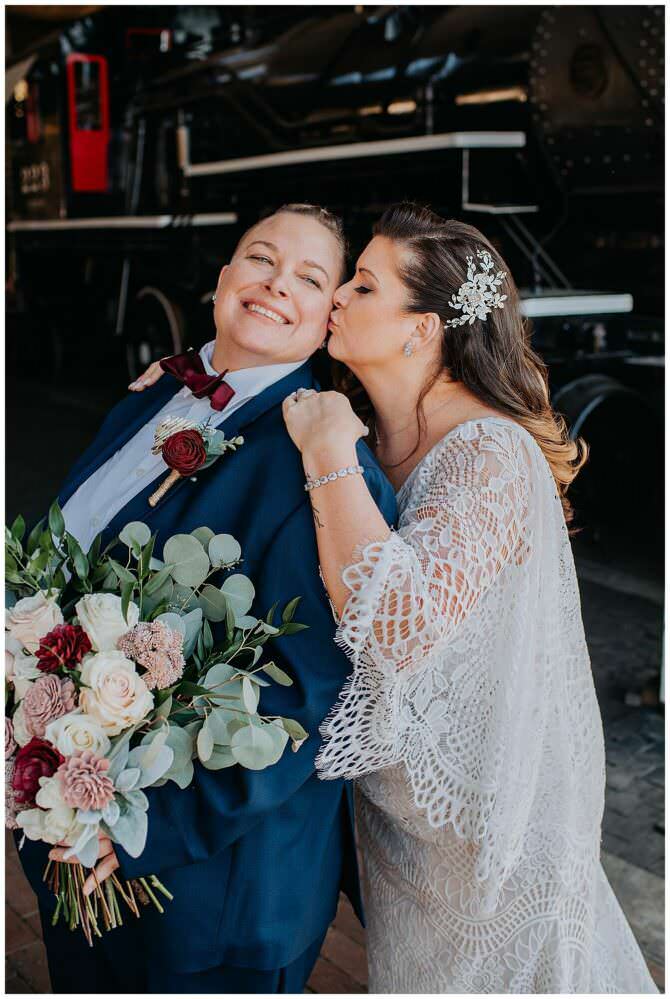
[{"x": 114, "y": 683}]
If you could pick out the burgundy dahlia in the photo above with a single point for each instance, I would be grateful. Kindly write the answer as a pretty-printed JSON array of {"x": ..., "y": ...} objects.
[
  {"x": 63, "y": 648},
  {"x": 185, "y": 452},
  {"x": 36, "y": 759}
]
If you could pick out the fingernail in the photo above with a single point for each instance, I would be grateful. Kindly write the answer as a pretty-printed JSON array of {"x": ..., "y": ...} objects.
[{"x": 132, "y": 385}]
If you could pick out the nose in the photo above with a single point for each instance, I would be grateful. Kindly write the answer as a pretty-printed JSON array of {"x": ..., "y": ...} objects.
[
  {"x": 342, "y": 295},
  {"x": 277, "y": 285}
]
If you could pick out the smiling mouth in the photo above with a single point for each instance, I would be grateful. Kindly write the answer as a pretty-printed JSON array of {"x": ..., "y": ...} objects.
[{"x": 262, "y": 310}]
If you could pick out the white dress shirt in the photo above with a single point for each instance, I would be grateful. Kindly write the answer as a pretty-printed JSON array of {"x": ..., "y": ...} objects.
[{"x": 133, "y": 467}]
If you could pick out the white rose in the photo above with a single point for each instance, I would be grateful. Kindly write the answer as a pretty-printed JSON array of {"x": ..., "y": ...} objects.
[
  {"x": 31, "y": 618},
  {"x": 74, "y": 732},
  {"x": 21, "y": 734},
  {"x": 115, "y": 695},
  {"x": 50, "y": 794},
  {"x": 25, "y": 672},
  {"x": 32, "y": 822},
  {"x": 58, "y": 823},
  {"x": 101, "y": 618}
]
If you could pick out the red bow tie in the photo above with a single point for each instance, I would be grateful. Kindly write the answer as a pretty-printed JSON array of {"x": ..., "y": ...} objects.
[{"x": 189, "y": 369}]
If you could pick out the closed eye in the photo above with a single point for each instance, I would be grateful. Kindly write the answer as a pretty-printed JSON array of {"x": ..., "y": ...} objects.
[
  {"x": 308, "y": 277},
  {"x": 362, "y": 290}
]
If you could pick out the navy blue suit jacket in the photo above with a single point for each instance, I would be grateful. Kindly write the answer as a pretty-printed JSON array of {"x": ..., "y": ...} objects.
[{"x": 255, "y": 859}]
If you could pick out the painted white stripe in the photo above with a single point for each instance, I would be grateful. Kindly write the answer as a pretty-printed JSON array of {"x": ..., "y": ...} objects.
[
  {"x": 125, "y": 222},
  {"x": 575, "y": 304},
  {"x": 356, "y": 150}
]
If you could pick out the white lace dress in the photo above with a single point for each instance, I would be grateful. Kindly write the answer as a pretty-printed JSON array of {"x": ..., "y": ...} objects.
[{"x": 471, "y": 723}]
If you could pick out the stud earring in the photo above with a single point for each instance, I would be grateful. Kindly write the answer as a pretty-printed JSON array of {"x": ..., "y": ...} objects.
[
  {"x": 214, "y": 297},
  {"x": 408, "y": 349},
  {"x": 324, "y": 344}
]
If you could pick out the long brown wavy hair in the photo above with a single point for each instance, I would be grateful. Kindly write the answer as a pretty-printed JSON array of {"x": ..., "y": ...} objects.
[{"x": 492, "y": 358}]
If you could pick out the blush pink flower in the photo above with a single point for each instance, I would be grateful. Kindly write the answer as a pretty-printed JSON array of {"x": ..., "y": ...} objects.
[
  {"x": 159, "y": 649},
  {"x": 10, "y": 742},
  {"x": 47, "y": 698},
  {"x": 12, "y": 806},
  {"x": 85, "y": 782}
]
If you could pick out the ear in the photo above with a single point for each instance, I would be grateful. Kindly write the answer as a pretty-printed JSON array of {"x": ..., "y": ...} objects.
[
  {"x": 221, "y": 273},
  {"x": 427, "y": 331}
]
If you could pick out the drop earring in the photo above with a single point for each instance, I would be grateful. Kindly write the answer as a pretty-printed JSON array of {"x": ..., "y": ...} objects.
[{"x": 408, "y": 349}]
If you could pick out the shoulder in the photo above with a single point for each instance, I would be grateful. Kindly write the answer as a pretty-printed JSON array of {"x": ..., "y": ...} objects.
[{"x": 485, "y": 452}]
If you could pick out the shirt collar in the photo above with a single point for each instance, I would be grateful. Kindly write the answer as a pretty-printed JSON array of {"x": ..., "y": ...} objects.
[{"x": 249, "y": 381}]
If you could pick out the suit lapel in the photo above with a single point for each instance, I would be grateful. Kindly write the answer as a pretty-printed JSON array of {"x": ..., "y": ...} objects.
[{"x": 237, "y": 423}]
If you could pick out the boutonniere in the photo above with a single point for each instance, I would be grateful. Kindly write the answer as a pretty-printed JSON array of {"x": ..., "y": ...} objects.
[{"x": 186, "y": 448}]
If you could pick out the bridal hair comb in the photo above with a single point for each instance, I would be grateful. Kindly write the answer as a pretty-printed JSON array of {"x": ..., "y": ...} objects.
[{"x": 478, "y": 295}]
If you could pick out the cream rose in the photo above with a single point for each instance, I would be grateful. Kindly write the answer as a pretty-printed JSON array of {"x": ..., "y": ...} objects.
[
  {"x": 115, "y": 695},
  {"x": 31, "y": 618},
  {"x": 23, "y": 668},
  {"x": 75, "y": 732},
  {"x": 101, "y": 618},
  {"x": 21, "y": 734},
  {"x": 59, "y": 824},
  {"x": 32, "y": 822}
]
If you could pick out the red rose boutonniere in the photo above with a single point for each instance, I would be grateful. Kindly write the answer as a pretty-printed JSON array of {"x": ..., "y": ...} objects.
[{"x": 186, "y": 448}]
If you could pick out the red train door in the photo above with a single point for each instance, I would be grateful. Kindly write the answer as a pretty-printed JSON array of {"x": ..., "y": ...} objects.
[{"x": 88, "y": 119}]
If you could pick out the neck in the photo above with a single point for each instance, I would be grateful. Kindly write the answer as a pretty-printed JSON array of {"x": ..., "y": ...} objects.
[
  {"x": 394, "y": 392},
  {"x": 227, "y": 356}
]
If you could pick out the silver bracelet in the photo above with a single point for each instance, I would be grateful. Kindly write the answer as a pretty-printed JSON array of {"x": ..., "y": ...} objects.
[{"x": 341, "y": 474}]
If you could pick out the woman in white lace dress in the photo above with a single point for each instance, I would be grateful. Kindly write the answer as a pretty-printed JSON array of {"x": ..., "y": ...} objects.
[{"x": 470, "y": 719}]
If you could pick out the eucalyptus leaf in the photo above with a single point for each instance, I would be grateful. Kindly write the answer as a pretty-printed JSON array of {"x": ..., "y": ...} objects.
[
  {"x": 204, "y": 535},
  {"x": 205, "y": 743},
  {"x": 221, "y": 757},
  {"x": 184, "y": 598},
  {"x": 213, "y": 603},
  {"x": 136, "y": 533},
  {"x": 192, "y": 624},
  {"x": 253, "y": 747},
  {"x": 239, "y": 591},
  {"x": 277, "y": 674},
  {"x": 295, "y": 729},
  {"x": 224, "y": 550},
  {"x": 189, "y": 561},
  {"x": 249, "y": 695},
  {"x": 173, "y": 621}
]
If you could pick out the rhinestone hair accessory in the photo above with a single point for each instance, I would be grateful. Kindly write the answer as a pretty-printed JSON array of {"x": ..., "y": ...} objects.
[{"x": 478, "y": 295}]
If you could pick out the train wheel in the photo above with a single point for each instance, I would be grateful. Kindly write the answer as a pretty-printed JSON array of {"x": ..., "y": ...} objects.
[
  {"x": 622, "y": 482},
  {"x": 155, "y": 329}
]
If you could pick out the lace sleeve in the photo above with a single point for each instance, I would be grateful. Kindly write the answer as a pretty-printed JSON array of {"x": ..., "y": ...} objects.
[
  {"x": 409, "y": 594},
  {"x": 432, "y": 627}
]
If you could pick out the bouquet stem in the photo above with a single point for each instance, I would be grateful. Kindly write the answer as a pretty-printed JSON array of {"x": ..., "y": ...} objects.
[{"x": 79, "y": 910}]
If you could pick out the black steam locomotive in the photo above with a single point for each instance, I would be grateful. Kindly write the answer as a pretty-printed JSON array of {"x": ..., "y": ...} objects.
[{"x": 145, "y": 139}]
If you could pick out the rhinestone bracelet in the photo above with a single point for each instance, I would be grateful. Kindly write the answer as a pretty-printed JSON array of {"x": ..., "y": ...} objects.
[{"x": 341, "y": 474}]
